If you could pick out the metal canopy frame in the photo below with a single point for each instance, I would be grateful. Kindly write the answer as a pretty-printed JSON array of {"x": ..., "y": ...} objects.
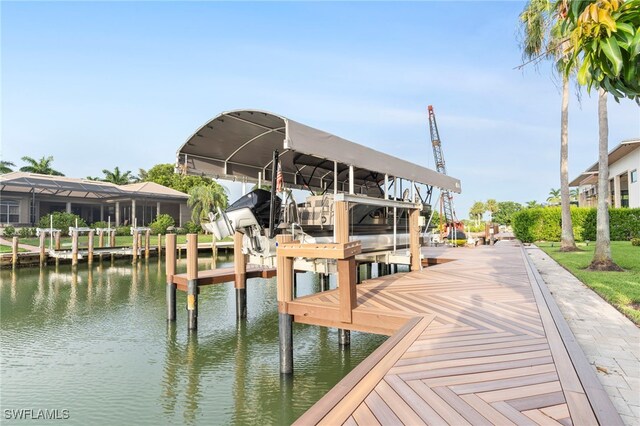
[{"x": 238, "y": 145}]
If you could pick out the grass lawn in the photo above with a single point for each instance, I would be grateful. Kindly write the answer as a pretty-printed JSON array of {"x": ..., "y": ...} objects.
[
  {"x": 7, "y": 249},
  {"x": 621, "y": 289}
]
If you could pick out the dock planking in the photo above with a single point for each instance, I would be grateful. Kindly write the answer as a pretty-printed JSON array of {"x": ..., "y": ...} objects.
[{"x": 473, "y": 341}]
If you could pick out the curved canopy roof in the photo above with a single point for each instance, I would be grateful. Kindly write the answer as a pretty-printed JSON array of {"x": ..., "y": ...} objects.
[{"x": 237, "y": 145}]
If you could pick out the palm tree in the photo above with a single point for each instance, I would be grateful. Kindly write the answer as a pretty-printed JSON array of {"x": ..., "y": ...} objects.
[
  {"x": 545, "y": 37},
  {"x": 42, "y": 166},
  {"x": 206, "y": 198},
  {"x": 5, "y": 167},
  {"x": 602, "y": 260},
  {"x": 554, "y": 197},
  {"x": 532, "y": 204},
  {"x": 117, "y": 177},
  {"x": 574, "y": 195},
  {"x": 492, "y": 207},
  {"x": 476, "y": 211}
]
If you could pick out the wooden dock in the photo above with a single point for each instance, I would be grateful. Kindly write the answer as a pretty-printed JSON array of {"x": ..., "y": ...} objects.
[
  {"x": 222, "y": 275},
  {"x": 476, "y": 340}
]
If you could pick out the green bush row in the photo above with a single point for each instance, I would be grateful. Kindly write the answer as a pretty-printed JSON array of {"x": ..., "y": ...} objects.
[{"x": 545, "y": 224}]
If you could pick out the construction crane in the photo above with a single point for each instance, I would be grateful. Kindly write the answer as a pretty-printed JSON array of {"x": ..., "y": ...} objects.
[{"x": 446, "y": 200}]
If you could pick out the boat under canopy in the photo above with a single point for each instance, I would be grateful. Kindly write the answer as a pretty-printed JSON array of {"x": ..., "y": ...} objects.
[{"x": 239, "y": 145}]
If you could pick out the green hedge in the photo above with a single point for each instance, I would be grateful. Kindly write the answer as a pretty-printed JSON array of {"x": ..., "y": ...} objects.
[{"x": 544, "y": 224}]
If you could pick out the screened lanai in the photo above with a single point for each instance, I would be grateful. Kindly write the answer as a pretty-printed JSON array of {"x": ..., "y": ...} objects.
[{"x": 26, "y": 197}]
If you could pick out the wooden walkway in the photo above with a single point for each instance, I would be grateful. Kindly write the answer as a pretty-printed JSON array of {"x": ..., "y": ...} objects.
[{"x": 477, "y": 340}]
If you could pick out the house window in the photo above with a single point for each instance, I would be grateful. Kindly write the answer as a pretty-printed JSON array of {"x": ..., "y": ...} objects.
[
  {"x": 633, "y": 176},
  {"x": 9, "y": 211}
]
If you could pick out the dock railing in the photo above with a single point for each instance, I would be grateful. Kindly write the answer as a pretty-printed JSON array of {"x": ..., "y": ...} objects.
[{"x": 343, "y": 253}]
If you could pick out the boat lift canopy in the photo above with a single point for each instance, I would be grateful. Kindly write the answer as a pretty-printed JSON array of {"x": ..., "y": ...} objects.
[{"x": 239, "y": 145}]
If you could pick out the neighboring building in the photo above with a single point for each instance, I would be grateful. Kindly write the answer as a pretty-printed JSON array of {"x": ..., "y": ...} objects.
[
  {"x": 26, "y": 197},
  {"x": 624, "y": 188}
]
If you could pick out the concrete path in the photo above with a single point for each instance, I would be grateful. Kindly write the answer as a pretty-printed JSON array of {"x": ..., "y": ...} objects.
[{"x": 610, "y": 341}]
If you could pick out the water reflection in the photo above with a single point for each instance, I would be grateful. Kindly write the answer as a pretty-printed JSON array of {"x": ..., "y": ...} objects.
[{"x": 95, "y": 340}]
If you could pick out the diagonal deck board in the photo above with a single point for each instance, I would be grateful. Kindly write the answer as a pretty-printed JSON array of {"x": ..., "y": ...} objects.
[{"x": 489, "y": 353}]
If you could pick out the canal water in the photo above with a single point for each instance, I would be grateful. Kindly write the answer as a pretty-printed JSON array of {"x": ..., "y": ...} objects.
[{"x": 96, "y": 343}]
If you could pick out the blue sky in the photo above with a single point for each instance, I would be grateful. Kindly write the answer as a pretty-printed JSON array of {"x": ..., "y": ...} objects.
[{"x": 99, "y": 85}]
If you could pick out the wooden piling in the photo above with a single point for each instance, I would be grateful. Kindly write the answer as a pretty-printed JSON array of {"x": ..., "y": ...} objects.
[
  {"x": 170, "y": 268},
  {"x": 192, "y": 281},
  {"x": 147, "y": 243},
  {"x": 14, "y": 251},
  {"x": 414, "y": 239},
  {"x": 159, "y": 246},
  {"x": 112, "y": 238},
  {"x": 90, "y": 247},
  {"x": 43, "y": 254},
  {"x": 214, "y": 251},
  {"x": 74, "y": 248},
  {"x": 285, "y": 321},
  {"x": 57, "y": 239},
  {"x": 347, "y": 295},
  {"x": 134, "y": 249},
  {"x": 240, "y": 266}
]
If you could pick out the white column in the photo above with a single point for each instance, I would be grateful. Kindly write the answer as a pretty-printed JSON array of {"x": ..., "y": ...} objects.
[
  {"x": 133, "y": 213},
  {"x": 68, "y": 206},
  {"x": 335, "y": 178},
  {"x": 351, "y": 182},
  {"x": 158, "y": 209},
  {"x": 617, "y": 196},
  {"x": 117, "y": 213},
  {"x": 101, "y": 212},
  {"x": 386, "y": 187}
]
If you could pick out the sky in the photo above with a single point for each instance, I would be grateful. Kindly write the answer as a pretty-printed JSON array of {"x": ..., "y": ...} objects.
[{"x": 105, "y": 84}]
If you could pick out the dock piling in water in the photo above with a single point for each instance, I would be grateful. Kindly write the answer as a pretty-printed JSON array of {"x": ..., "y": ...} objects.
[
  {"x": 43, "y": 255},
  {"x": 285, "y": 320},
  {"x": 170, "y": 268},
  {"x": 240, "y": 265},
  {"x": 14, "y": 251},
  {"x": 147, "y": 243},
  {"x": 192, "y": 281},
  {"x": 90, "y": 248}
]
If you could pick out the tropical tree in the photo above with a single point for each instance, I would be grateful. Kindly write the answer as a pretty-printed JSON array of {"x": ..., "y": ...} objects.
[
  {"x": 533, "y": 204},
  {"x": 117, "y": 177},
  {"x": 574, "y": 195},
  {"x": 492, "y": 207},
  {"x": 605, "y": 36},
  {"x": 5, "y": 167},
  {"x": 164, "y": 174},
  {"x": 554, "y": 197},
  {"x": 506, "y": 210},
  {"x": 206, "y": 198},
  {"x": 42, "y": 166},
  {"x": 476, "y": 211},
  {"x": 545, "y": 37}
]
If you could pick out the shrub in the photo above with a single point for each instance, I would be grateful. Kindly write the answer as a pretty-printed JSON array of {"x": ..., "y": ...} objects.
[
  {"x": 160, "y": 225},
  {"x": 192, "y": 228},
  {"x": 123, "y": 231},
  {"x": 635, "y": 241},
  {"x": 9, "y": 231},
  {"x": 62, "y": 221},
  {"x": 544, "y": 224},
  {"x": 101, "y": 224},
  {"x": 26, "y": 232}
]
